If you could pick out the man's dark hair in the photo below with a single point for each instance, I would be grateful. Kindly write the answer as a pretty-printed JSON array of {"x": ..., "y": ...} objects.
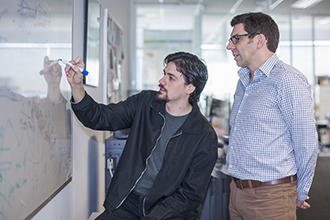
[
  {"x": 259, "y": 23},
  {"x": 193, "y": 69}
]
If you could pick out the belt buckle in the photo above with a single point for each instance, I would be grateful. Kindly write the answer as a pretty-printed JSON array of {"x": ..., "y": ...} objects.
[{"x": 240, "y": 184}]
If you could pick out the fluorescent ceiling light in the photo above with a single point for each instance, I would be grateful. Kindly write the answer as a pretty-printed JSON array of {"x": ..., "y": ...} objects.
[
  {"x": 272, "y": 6},
  {"x": 303, "y": 4},
  {"x": 235, "y": 6}
]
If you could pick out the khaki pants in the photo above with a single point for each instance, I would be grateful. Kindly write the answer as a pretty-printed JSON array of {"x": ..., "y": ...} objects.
[{"x": 277, "y": 202}]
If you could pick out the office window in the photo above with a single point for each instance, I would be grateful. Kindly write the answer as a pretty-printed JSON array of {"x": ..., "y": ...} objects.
[
  {"x": 283, "y": 51},
  {"x": 302, "y": 45},
  {"x": 159, "y": 33},
  {"x": 322, "y": 65},
  {"x": 322, "y": 45},
  {"x": 221, "y": 65}
]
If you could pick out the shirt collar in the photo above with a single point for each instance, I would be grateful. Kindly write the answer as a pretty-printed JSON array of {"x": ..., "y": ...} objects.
[{"x": 265, "y": 68}]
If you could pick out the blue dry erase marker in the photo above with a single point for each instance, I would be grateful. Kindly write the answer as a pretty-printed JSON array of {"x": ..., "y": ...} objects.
[{"x": 85, "y": 72}]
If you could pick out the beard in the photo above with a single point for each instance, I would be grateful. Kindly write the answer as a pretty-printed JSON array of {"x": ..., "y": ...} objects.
[{"x": 162, "y": 97}]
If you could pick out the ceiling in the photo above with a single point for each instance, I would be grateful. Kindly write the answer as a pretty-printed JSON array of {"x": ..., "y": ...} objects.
[
  {"x": 224, "y": 6},
  {"x": 180, "y": 15}
]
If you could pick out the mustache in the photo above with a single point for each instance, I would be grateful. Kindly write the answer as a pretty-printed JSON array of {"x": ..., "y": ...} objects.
[{"x": 162, "y": 87}]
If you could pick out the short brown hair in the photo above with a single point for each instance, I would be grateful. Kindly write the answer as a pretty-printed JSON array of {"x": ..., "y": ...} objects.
[
  {"x": 193, "y": 69},
  {"x": 259, "y": 22}
]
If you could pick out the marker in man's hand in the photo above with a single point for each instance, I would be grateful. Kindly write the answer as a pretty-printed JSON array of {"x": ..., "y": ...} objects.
[{"x": 83, "y": 71}]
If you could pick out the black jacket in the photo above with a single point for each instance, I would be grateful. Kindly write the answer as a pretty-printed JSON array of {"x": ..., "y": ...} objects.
[{"x": 189, "y": 158}]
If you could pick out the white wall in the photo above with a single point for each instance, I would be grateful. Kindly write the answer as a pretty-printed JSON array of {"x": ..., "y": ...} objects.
[
  {"x": 120, "y": 11},
  {"x": 86, "y": 193}
]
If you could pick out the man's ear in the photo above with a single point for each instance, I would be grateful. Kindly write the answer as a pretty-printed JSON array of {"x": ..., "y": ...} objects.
[
  {"x": 261, "y": 40},
  {"x": 191, "y": 88}
]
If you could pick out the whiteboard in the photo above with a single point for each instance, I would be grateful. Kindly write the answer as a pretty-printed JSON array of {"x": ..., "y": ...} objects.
[{"x": 35, "y": 124}]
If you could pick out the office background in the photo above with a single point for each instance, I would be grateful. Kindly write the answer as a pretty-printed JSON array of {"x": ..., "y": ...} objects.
[{"x": 148, "y": 34}]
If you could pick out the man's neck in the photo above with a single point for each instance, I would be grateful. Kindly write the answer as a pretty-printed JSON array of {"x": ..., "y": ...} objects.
[
  {"x": 177, "y": 109},
  {"x": 262, "y": 59}
]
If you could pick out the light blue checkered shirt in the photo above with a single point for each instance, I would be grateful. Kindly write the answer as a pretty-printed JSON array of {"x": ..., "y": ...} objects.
[{"x": 273, "y": 133}]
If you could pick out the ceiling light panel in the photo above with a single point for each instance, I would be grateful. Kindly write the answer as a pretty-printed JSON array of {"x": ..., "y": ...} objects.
[{"x": 303, "y": 4}]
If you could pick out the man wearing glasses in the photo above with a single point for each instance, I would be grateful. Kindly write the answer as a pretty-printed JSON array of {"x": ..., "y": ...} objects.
[{"x": 273, "y": 141}]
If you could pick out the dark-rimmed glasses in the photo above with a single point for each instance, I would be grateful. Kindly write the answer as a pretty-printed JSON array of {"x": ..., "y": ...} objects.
[{"x": 235, "y": 38}]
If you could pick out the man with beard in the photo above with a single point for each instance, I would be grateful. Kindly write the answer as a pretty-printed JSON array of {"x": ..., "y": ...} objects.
[{"x": 171, "y": 149}]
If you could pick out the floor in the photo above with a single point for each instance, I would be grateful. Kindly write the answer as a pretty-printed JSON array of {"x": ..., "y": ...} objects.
[{"x": 320, "y": 190}]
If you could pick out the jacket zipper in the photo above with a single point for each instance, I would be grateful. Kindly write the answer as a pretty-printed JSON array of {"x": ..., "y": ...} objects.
[
  {"x": 145, "y": 168},
  {"x": 144, "y": 199}
]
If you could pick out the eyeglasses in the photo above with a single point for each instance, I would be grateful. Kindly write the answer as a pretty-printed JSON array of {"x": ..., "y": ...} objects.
[{"x": 235, "y": 38}]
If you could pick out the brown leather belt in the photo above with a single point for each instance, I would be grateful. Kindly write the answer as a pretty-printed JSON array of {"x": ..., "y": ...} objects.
[{"x": 243, "y": 184}]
